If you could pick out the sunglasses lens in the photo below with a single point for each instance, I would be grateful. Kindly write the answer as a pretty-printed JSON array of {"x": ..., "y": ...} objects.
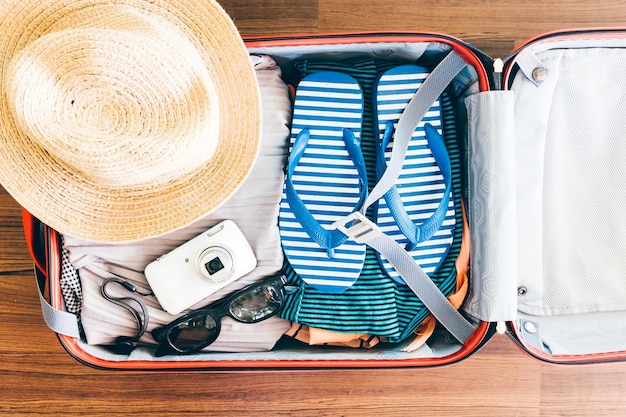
[
  {"x": 193, "y": 333},
  {"x": 257, "y": 304}
]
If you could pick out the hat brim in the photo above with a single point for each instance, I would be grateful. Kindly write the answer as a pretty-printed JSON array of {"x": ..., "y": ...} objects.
[{"x": 85, "y": 209}]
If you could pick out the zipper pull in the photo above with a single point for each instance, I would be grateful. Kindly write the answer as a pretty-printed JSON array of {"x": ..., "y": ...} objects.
[
  {"x": 501, "y": 327},
  {"x": 498, "y": 67}
]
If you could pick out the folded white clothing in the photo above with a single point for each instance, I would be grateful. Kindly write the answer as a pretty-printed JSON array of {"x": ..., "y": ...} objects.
[{"x": 253, "y": 207}]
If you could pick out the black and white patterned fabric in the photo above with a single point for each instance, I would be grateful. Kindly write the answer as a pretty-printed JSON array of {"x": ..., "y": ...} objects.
[{"x": 70, "y": 284}]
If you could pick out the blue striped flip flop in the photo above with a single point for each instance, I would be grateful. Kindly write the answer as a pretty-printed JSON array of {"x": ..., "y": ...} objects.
[
  {"x": 325, "y": 180},
  {"x": 418, "y": 211}
]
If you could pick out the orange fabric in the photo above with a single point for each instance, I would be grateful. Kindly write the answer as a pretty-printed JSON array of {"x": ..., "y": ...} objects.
[{"x": 316, "y": 337}]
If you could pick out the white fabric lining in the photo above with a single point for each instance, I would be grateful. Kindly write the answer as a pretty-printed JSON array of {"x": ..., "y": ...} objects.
[
  {"x": 576, "y": 334},
  {"x": 492, "y": 206},
  {"x": 572, "y": 184}
]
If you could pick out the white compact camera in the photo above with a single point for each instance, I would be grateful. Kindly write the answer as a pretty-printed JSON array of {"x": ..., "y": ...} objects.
[{"x": 200, "y": 267}]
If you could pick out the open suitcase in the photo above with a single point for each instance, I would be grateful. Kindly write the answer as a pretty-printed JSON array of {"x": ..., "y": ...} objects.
[{"x": 540, "y": 132}]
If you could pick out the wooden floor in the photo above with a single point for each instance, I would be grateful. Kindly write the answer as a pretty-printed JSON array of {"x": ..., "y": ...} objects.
[{"x": 37, "y": 377}]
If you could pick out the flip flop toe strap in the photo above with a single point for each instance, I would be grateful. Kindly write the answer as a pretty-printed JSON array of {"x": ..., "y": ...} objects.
[
  {"x": 327, "y": 239},
  {"x": 417, "y": 233}
]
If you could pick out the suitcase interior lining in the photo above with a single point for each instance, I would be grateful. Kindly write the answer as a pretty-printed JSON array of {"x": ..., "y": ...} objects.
[{"x": 440, "y": 345}]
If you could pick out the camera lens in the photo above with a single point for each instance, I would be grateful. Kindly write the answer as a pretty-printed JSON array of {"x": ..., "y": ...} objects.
[{"x": 214, "y": 265}]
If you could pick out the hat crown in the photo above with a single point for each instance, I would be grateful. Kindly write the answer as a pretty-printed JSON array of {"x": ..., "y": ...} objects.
[{"x": 122, "y": 100}]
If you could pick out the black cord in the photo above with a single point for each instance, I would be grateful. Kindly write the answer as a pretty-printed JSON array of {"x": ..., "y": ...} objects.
[{"x": 125, "y": 345}]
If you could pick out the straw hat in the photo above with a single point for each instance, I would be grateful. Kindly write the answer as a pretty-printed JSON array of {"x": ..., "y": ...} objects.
[{"x": 124, "y": 119}]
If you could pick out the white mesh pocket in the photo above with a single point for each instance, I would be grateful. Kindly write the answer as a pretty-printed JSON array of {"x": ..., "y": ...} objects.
[{"x": 582, "y": 232}]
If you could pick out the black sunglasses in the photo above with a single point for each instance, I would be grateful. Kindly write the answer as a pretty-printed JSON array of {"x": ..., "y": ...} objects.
[{"x": 198, "y": 329}]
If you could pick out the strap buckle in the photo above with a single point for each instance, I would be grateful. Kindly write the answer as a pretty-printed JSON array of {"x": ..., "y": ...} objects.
[{"x": 358, "y": 227}]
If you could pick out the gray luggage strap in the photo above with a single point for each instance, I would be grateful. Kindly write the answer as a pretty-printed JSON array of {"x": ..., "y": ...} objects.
[
  {"x": 363, "y": 230},
  {"x": 61, "y": 322}
]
